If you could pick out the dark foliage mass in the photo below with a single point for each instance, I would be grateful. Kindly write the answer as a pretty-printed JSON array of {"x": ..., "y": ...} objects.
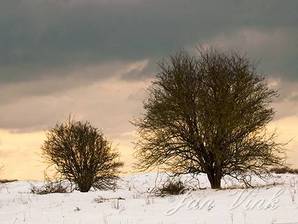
[
  {"x": 208, "y": 113},
  {"x": 172, "y": 187},
  {"x": 284, "y": 169},
  {"x": 82, "y": 155},
  {"x": 51, "y": 187}
]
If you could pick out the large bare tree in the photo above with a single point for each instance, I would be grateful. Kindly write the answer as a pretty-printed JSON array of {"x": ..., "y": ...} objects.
[
  {"x": 208, "y": 113},
  {"x": 82, "y": 155}
]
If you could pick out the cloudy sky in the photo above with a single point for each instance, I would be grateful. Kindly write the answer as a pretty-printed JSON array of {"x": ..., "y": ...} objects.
[{"x": 94, "y": 59}]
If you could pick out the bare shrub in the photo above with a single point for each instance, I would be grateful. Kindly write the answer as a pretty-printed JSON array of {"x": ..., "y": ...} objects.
[
  {"x": 82, "y": 155},
  {"x": 172, "y": 187},
  {"x": 51, "y": 187}
]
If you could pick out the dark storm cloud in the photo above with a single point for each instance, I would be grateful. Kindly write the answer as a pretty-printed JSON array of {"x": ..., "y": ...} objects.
[{"x": 43, "y": 35}]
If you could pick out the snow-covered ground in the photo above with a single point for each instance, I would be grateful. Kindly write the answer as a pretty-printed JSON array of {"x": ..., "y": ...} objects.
[{"x": 275, "y": 203}]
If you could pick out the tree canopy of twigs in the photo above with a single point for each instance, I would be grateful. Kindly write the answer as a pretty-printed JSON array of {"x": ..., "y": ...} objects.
[
  {"x": 208, "y": 113},
  {"x": 82, "y": 154}
]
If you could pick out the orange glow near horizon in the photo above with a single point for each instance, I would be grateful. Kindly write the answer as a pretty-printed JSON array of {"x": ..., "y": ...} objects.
[{"x": 21, "y": 157}]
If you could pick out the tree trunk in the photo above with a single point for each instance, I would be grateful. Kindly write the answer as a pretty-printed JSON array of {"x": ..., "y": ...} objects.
[
  {"x": 84, "y": 186},
  {"x": 215, "y": 180}
]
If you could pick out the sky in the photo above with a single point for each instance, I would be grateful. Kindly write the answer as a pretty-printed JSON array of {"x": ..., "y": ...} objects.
[{"x": 94, "y": 59}]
